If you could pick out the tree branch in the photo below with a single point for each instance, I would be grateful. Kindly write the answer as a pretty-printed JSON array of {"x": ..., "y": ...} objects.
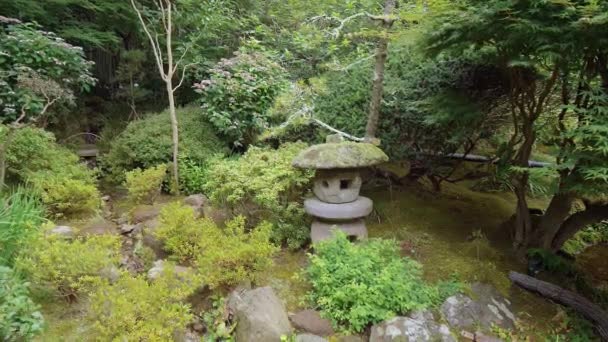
[{"x": 159, "y": 61}]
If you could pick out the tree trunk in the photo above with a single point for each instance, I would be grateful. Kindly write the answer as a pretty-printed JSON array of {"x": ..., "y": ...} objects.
[
  {"x": 523, "y": 220},
  {"x": 577, "y": 221},
  {"x": 557, "y": 212},
  {"x": 378, "y": 80},
  {"x": 582, "y": 305},
  {"x": 174, "y": 136}
]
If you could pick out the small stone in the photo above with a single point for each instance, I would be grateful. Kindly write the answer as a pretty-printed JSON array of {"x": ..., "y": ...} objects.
[
  {"x": 105, "y": 198},
  {"x": 159, "y": 267},
  {"x": 198, "y": 327},
  {"x": 310, "y": 321},
  {"x": 65, "y": 232},
  {"x": 110, "y": 273},
  {"x": 127, "y": 228}
]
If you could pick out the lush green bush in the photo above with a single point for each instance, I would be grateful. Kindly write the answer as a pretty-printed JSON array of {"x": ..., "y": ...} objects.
[
  {"x": 147, "y": 142},
  {"x": 65, "y": 196},
  {"x": 134, "y": 309},
  {"x": 21, "y": 215},
  {"x": 180, "y": 231},
  {"x": 68, "y": 266},
  {"x": 355, "y": 285},
  {"x": 238, "y": 94},
  {"x": 145, "y": 185},
  {"x": 231, "y": 254},
  {"x": 20, "y": 318},
  {"x": 592, "y": 235},
  {"x": 223, "y": 256},
  {"x": 191, "y": 176},
  {"x": 65, "y": 185},
  {"x": 262, "y": 184}
]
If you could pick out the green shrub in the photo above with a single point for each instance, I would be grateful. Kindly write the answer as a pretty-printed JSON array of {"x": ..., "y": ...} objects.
[
  {"x": 231, "y": 255},
  {"x": 21, "y": 215},
  {"x": 180, "y": 231},
  {"x": 144, "y": 186},
  {"x": 68, "y": 266},
  {"x": 147, "y": 142},
  {"x": 191, "y": 176},
  {"x": 134, "y": 309},
  {"x": 223, "y": 256},
  {"x": 591, "y": 235},
  {"x": 263, "y": 185},
  {"x": 360, "y": 284},
  {"x": 239, "y": 93},
  {"x": 20, "y": 318},
  {"x": 65, "y": 196},
  {"x": 66, "y": 186}
]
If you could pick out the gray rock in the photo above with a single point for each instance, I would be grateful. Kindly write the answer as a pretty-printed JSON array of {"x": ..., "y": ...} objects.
[
  {"x": 361, "y": 207},
  {"x": 110, "y": 273},
  {"x": 260, "y": 315},
  {"x": 334, "y": 138},
  {"x": 321, "y": 230},
  {"x": 309, "y": 338},
  {"x": 150, "y": 240},
  {"x": 198, "y": 202},
  {"x": 310, "y": 321},
  {"x": 337, "y": 186},
  {"x": 489, "y": 308},
  {"x": 418, "y": 326},
  {"x": 105, "y": 198},
  {"x": 99, "y": 226},
  {"x": 159, "y": 267},
  {"x": 351, "y": 338},
  {"x": 127, "y": 228},
  {"x": 65, "y": 232}
]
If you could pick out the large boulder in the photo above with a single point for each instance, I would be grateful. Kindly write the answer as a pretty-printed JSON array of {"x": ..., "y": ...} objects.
[
  {"x": 418, "y": 326},
  {"x": 489, "y": 308},
  {"x": 310, "y": 321},
  {"x": 260, "y": 315}
]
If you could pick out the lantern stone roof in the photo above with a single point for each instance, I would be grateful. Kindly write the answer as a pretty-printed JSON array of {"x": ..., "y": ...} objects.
[{"x": 342, "y": 155}]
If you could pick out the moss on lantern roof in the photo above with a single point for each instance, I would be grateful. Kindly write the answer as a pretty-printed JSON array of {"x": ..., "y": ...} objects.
[{"x": 343, "y": 155}]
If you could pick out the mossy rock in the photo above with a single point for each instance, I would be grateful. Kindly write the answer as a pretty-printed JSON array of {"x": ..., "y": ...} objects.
[{"x": 344, "y": 155}]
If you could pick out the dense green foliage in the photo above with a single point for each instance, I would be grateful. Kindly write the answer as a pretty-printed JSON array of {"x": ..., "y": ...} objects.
[
  {"x": 262, "y": 185},
  {"x": 147, "y": 142},
  {"x": 133, "y": 309},
  {"x": 238, "y": 94},
  {"x": 37, "y": 69},
  {"x": 21, "y": 215},
  {"x": 65, "y": 185},
  {"x": 360, "y": 284},
  {"x": 68, "y": 266},
  {"x": 145, "y": 185},
  {"x": 20, "y": 318},
  {"x": 223, "y": 256}
]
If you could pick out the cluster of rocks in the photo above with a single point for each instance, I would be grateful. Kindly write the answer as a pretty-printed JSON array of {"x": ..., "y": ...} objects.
[{"x": 261, "y": 316}]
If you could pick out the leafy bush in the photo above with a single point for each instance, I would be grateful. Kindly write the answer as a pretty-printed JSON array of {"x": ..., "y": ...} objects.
[
  {"x": 65, "y": 196},
  {"x": 231, "y": 255},
  {"x": 146, "y": 143},
  {"x": 133, "y": 309},
  {"x": 262, "y": 184},
  {"x": 144, "y": 186},
  {"x": 21, "y": 215},
  {"x": 191, "y": 176},
  {"x": 180, "y": 231},
  {"x": 359, "y": 284},
  {"x": 66, "y": 186},
  {"x": 20, "y": 318},
  {"x": 223, "y": 256},
  {"x": 239, "y": 93},
  {"x": 592, "y": 235},
  {"x": 67, "y": 266}
]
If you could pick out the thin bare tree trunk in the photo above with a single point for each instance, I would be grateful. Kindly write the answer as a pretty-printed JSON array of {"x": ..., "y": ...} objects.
[
  {"x": 378, "y": 80},
  {"x": 174, "y": 137}
]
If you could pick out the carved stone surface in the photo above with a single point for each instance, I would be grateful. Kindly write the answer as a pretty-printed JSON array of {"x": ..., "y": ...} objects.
[
  {"x": 361, "y": 207},
  {"x": 339, "y": 186},
  {"x": 322, "y": 230}
]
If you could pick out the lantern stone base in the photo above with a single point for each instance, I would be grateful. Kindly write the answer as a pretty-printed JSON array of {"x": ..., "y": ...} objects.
[{"x": 322, "y": 230}]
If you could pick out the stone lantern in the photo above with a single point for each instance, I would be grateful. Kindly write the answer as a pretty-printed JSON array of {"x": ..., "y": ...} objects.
[{"x": 336, "y": 186}]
